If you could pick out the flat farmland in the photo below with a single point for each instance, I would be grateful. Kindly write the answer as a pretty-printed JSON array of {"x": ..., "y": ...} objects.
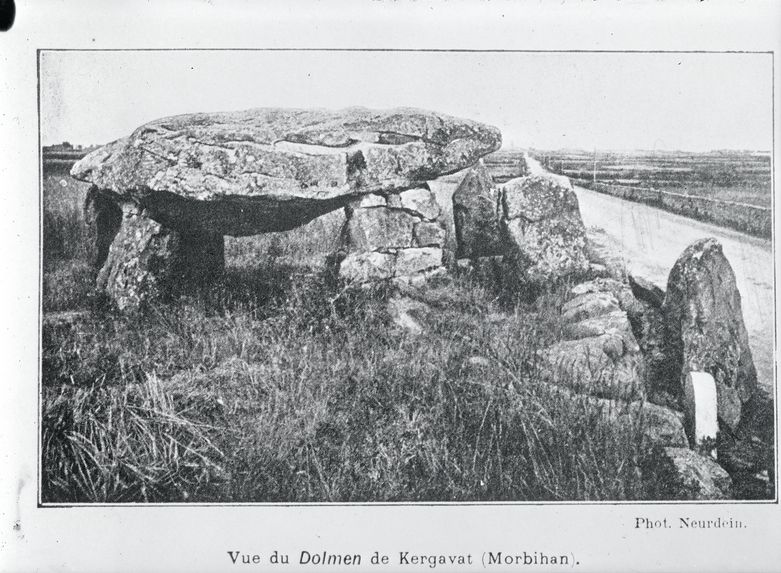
[{"x": 740, "y": 176}]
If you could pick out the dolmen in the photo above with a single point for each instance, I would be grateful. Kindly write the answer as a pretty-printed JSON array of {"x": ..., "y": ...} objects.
[{"x": 177, "y": 185}]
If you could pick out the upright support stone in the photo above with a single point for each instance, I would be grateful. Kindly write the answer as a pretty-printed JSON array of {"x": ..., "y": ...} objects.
[
  {"x": 103, "y": 218},
  {"x": 544, "y": 233},
  {"x": 701, "y": 405},
  {"x": 397, "y": 236},
  {"x": 147, "y": 261},
  {"x": 705, "y": 330},
  {"x": 476, "y": 214}
]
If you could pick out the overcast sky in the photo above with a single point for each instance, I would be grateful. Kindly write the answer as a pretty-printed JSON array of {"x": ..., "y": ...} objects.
[{"x": 545, "y": 100}]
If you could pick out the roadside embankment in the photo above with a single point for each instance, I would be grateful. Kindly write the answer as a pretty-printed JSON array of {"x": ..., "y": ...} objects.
[{"x": 743, "y": 217}]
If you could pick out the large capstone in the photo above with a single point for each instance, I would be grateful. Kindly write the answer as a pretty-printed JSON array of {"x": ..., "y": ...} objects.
[
  {"x": 262, "y": 170},
  {"x": 544, "y": 233},
  {"x": 704, "y": 327}
]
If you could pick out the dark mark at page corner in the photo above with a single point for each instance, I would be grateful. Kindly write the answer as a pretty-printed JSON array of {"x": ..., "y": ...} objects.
[{"x": 7, "y": 14}]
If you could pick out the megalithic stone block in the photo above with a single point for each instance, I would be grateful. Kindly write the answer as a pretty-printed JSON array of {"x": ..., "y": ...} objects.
[
  {"x": 545, "y": 239},
  {"x": 476, "y": 215},
  {"x": 701, "y": 405},
  {"x": 704, "y": 326},
  {"x": 393, "y": 237},
  {"x": 148, "y": 261},
  {"x": 273, "y": 169}
]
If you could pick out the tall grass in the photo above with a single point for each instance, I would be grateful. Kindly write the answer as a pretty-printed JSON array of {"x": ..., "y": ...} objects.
[
  {"x": 64, "y": 233},
  {"x": 123, "y": 443},
  {"x": 306, "y": 400},
  {"x": 67, "y": 278}
]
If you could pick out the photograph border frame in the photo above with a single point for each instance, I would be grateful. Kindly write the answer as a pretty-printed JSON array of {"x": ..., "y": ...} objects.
[{"x": 39, "y": 458}]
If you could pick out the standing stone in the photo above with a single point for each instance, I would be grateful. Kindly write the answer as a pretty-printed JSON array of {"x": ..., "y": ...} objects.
[
  {"x": 544, "y": 233},
  {"x": 476, "y": 213},
  {"x": 103, "y": 218},
  {"x": 148, "y": 261},
  {"x": 704, "y": 326}
]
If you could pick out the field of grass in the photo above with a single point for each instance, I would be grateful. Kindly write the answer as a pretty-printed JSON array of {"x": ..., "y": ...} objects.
[
  {"x": 276, "y": 386},
  {"x": 744, "y": 177}
]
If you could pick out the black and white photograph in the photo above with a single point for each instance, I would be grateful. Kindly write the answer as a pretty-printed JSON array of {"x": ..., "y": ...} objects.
[
  {"x": 389, "y": 285},
  {"x": 427, "y": 282}
]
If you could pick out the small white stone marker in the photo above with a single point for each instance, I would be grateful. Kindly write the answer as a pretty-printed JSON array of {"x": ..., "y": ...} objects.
[{"x": 701, "y": 406}]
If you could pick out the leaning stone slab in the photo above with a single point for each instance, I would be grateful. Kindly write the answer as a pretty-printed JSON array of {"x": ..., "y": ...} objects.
[
  {"x": 538, "y": 197},
  {"x": 270, "y": 169},
  {"x": 704, "y": 327},
  {"x": 476, "y": 213},
  {"x": 148, "y": 261}
]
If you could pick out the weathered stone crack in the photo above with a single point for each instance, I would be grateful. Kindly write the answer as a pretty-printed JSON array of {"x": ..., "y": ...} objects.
[{"x": 160, "y": 155}]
